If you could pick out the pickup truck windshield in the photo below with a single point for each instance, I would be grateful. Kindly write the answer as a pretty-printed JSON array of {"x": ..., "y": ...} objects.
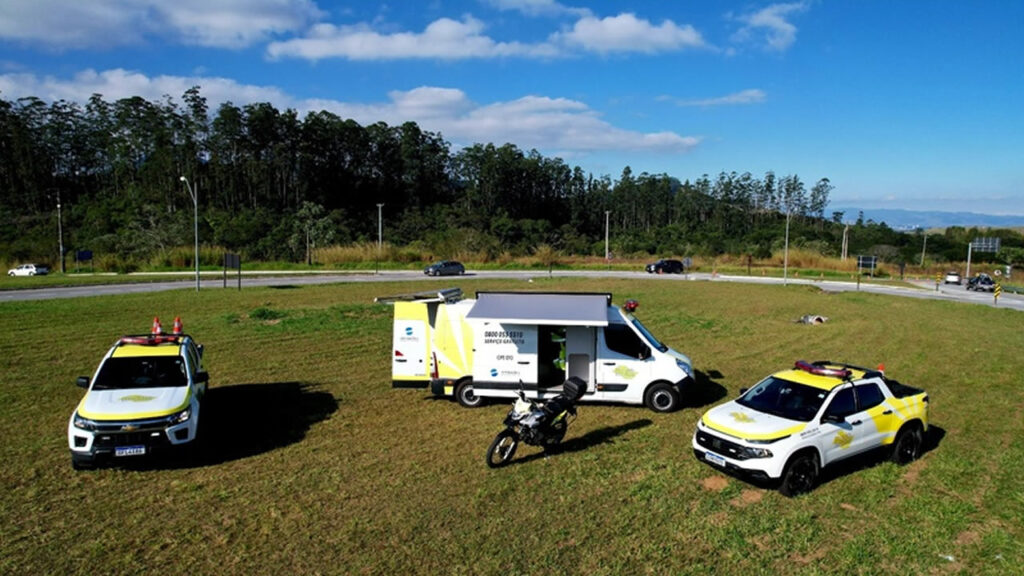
[
  {"x": 784, "y": 399},
  {"x": 648, "y": 336},
  {"x": 141, "y": 372}
]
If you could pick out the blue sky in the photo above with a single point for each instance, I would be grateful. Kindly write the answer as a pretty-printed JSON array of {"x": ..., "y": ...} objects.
[{"x": 911, "y": 104}]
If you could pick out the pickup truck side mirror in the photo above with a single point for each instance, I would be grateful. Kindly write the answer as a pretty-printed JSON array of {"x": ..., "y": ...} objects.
[
  {"x": 83, "y": 382},
  {"x": 201, "y": 377},
  {"x": 832, "y": 419},
  {"x": 199, "y": 349},
  {"x": 743, "y": 391}
]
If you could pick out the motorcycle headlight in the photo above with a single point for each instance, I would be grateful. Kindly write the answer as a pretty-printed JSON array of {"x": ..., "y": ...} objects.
[
  {"x": 84, "y": 423},
  {"x": 180, "y": 417}
]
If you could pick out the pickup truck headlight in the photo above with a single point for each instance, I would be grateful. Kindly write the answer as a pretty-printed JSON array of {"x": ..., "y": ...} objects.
[
  {"x": 180, "y": 417},
  {"x": 757, "y": 452},
  {"x": 84, "y": 423}
]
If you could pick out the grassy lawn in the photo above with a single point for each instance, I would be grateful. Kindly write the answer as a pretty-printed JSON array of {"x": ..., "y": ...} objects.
[{"x": 312, "y": 464}]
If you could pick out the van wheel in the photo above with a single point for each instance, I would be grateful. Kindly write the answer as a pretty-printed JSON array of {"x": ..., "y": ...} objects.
[
  {"x": 662, "y": 397},
  {"x": 800, "y": 475},
  {"x": 907, "y": 446},
  {"x": 467, "y": 397}
]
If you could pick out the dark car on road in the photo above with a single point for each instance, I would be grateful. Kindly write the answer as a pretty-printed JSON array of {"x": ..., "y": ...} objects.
[
  {"x": 445, "y": 268},
  {"x": 665, "y": 267},
  {"x": 981, "y": 283}
]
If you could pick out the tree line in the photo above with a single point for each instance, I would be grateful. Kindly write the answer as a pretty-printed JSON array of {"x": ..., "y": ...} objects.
[{"x": 270, "y": 185}]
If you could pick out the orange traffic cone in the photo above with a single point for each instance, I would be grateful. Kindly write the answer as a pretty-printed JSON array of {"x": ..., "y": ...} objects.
[
  {"x": 157, "y": 329},
  {"x": 177, "y": 325}
]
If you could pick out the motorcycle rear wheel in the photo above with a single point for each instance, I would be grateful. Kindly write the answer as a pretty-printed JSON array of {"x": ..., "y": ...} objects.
[{"x": 502, "y": 449}]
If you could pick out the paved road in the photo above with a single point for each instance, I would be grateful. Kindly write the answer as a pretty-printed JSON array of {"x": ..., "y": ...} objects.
[{"x": 926, "y": 290}]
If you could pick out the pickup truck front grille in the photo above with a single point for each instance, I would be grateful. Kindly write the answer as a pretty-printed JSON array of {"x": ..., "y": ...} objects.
[{"x": 721, "y": 446}]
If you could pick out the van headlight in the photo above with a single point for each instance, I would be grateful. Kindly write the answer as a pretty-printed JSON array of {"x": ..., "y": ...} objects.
[
  {"x": 84, "y": 423},
  {"x": 685, "y": 367}
]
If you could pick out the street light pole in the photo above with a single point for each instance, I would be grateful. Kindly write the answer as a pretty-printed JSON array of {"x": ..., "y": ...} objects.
[
  {"x": 785, "y": 258},
  {"x": 60, "y": 234},
  {"x": 195, "y": 206},
  {"x": 606, "y": 257},
  {"x": 380, "y": 227}
]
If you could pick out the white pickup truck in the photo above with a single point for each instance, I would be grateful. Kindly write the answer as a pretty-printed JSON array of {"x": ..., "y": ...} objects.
[
  {"x": 794, "y": 422},
  {"x": 144, "y": 396}
]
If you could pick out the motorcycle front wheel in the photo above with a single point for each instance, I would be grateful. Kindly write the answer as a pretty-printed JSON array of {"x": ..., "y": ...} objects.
[{"x": 503, "y": 448}]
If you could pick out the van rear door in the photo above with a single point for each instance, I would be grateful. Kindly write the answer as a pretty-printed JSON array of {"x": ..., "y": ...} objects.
[{"x": 410, "y": 346}]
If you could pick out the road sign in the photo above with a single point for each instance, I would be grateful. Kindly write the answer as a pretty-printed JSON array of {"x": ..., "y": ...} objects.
[
  {"x": 985, "y": 244},
  {"x": 866, "y": 262}
]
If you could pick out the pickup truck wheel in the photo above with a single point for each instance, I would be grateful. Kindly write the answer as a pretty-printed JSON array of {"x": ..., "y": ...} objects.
[
  {"x": 467, "y": 397},
  {"x": 662, "y": 397},
  {"x": 907, "y": 446},
  {"x": 800, "y": 475}
]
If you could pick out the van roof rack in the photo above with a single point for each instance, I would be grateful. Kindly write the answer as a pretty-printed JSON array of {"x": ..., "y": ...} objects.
[{"x": 448, "y": 296}]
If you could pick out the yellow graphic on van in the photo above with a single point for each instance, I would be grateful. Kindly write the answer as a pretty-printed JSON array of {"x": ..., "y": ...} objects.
[{"x": 626, "y": 372}]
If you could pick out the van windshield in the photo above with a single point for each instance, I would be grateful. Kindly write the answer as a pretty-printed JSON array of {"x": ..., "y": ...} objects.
[{"x": 654, "y": 342}]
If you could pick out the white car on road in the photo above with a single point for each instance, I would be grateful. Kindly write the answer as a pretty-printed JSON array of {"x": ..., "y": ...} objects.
[{"x": 29, "y": 270}]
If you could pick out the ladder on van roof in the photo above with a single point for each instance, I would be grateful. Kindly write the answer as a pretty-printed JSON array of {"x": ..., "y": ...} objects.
[{"x": 448, "y": 296}]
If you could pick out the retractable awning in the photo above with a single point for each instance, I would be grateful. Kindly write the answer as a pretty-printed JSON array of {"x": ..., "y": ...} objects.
[{"x": 551, "y": 309}]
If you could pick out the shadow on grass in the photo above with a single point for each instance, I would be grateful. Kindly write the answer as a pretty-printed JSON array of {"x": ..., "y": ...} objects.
[
  {"x": 873, "y": 458},
  {"x": 245, "y": 420},
  {"x": 704, "y": 390},
  {"x": 593, "y": 438}
]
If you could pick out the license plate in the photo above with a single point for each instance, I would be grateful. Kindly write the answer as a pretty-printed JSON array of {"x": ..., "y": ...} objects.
[
  {"x": 714, "y": 459},
  {"x": 130, "y": 451}
]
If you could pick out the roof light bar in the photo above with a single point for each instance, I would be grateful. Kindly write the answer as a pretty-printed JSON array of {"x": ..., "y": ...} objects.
[{"x": 821, "y": 370}]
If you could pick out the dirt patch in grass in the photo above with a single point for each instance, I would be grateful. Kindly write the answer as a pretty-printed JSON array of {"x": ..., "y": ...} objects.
[
  {"x": 747, "y": 497},
  {"x": 715, "y": 483}
]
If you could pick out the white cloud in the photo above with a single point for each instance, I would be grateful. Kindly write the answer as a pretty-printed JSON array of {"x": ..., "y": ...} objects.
[
  {"x": 753, "y": 96},
  {"x": 538, "y": 7},
  {"x": 769, "y": 25},
  {"x": 545, "y": 123},
  {"x": 443, "y": 38},
  {"x": 60, "y": 24},
  {"x": 627, "y": 33}
]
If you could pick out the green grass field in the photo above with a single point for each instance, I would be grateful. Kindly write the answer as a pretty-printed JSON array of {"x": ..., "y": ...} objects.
[{"x": 312, "y": 464}]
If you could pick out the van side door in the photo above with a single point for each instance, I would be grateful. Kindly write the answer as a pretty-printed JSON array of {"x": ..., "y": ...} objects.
[{"x": 622, "y": 367}]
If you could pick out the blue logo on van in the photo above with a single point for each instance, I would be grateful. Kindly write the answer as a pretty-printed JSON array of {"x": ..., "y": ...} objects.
[
  {"x": 494, "y": 372},
  {"x": 408, "y": 330}
]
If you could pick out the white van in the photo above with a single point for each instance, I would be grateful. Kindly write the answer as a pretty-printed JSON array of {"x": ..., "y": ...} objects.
[{"x": 490, "y": 346}]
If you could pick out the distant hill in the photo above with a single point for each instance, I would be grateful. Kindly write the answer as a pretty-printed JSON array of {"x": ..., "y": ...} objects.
[{"x": 911, "y": 219}]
